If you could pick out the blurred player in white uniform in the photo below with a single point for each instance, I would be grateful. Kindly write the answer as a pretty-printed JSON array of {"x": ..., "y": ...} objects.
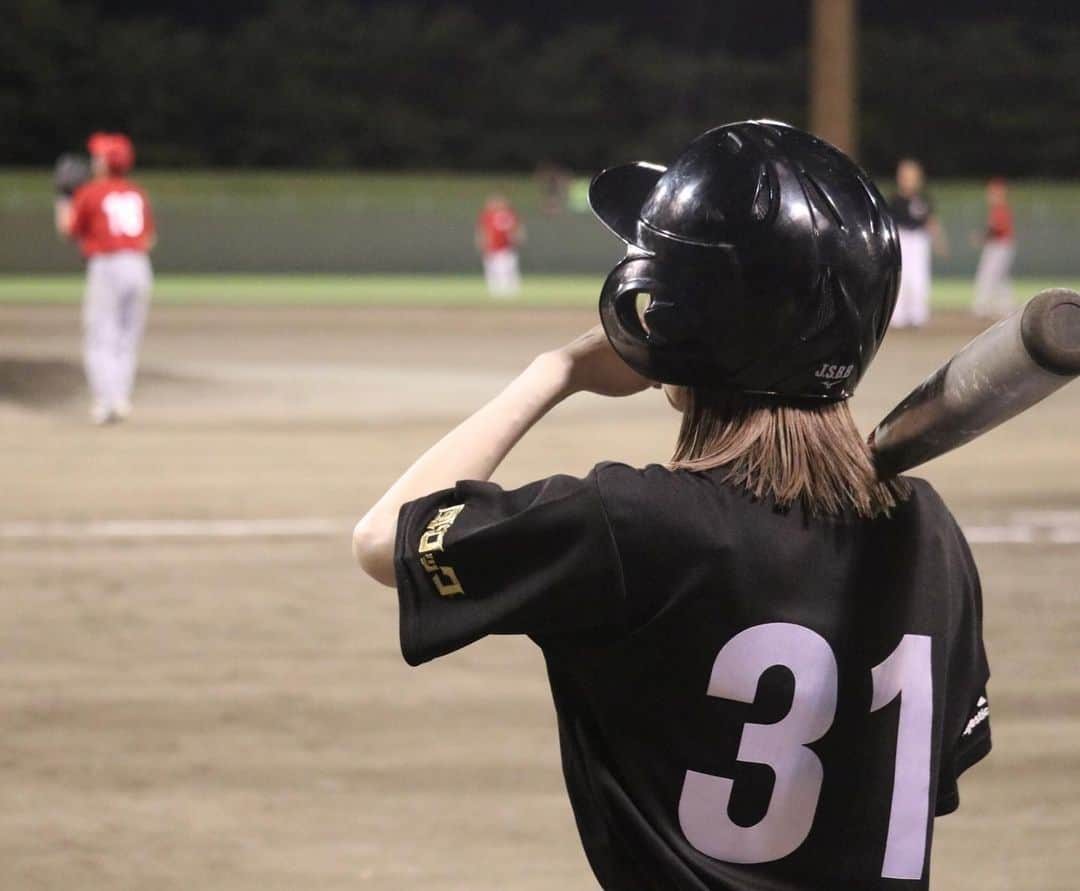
[
  {"x": 993, "y": 283},
  {"x": 920, "y": 233},
  {"x": 498, "y": 234},
  {"x": 111, "y": 219}
]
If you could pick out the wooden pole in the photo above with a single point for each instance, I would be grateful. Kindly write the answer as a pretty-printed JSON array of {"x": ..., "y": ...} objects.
[{"x": 832, "y": 73}]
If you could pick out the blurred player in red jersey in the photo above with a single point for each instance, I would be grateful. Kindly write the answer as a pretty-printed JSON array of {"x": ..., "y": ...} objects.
[
  {"x": 111, "y": 219},
  {"x": 993, "y": 285},
  {"x": 498, "y": 233}
]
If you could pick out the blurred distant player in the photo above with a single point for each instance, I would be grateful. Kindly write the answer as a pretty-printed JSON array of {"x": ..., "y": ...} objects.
[
  {"x": 993, "y": 285},
  {"x": 919, "y": 232},
  {"x": 111, "y": 219},
  {"x": 498, "y": 233},
  {"x": 554, "y": 183}
]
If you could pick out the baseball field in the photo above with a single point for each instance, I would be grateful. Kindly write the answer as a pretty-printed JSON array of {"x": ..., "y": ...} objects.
[{"x": 201, "y": 691}]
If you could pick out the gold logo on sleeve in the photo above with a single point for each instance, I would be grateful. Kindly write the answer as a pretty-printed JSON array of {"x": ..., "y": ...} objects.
[
  {"x": 432, "y": 539},
  {"x": 443, "y": 578}
]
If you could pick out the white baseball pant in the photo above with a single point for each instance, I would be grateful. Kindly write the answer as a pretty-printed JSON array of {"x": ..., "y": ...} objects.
[
  {"x": 913, "y": 301},
  {"x": 501, "y": 273},
  {"x": 115, "y": 305},
  {"x": 993, "y": 286}
]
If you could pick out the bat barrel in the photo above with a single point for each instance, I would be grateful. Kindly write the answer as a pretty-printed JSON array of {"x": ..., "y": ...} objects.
[
  {"x": 1005, "y": 370},
  {"x": 1050, "y": 329}
]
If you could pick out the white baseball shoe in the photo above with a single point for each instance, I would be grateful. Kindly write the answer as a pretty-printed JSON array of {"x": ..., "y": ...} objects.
[
  {"x": 121, "y": 410},
  {"x": 101, "y": 413}
]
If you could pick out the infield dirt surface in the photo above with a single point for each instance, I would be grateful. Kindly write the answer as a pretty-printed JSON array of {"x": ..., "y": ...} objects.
[{"x": 201, "y": 691}]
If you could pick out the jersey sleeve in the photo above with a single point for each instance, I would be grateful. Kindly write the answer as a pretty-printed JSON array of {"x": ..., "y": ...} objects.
[
  {"x": 967, "y": 708},
  {"x": 478, "y": 559}
]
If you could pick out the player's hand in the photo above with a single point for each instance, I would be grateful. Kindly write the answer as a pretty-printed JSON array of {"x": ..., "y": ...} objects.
[{"x": 590, "y": 364}]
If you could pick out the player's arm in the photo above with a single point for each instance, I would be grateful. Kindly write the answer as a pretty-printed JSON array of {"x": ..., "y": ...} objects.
[
  {"x": 478, "y": 445},
  {"x": 149, "y": 225},
  {"x": 71, "y": 214},
  {"x": 63, "y": 216},
  {"x": 938, "y": 238}
]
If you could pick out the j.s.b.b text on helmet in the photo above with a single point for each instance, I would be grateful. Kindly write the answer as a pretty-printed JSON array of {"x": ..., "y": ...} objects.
[{"x": 831, "y": 375}]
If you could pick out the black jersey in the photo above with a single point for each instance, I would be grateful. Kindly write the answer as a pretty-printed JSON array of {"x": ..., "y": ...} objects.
[
  {"x": 913, "y": 212},
  {"x": 747, "y": 698}
]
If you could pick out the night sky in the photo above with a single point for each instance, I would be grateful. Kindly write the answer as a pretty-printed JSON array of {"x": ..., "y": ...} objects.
[{"x": 744, "y": 26}]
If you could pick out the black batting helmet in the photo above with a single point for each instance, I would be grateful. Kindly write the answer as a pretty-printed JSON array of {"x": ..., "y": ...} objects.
[{"x": 769, "y": 257}]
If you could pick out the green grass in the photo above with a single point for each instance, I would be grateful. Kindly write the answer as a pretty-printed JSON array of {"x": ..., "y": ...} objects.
[{"x": 390, "y": 290}]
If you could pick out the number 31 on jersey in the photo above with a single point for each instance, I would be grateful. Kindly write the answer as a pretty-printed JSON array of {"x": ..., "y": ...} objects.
[{"x": 783, "y": 747}]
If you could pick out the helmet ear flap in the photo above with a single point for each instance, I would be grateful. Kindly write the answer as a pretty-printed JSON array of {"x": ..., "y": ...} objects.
[
  {"x": 660, "y": 342},
  {"x": 619, "y": 314}
]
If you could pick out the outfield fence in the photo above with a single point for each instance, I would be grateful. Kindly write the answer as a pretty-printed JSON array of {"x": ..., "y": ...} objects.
[{"x": 265, "y": 222}]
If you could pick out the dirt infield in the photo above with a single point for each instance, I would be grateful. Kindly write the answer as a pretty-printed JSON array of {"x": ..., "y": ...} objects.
[{"x": 201, "y": 692}]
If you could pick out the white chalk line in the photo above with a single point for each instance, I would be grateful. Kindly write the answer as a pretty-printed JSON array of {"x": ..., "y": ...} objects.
[
  {"x": 277, "y": 527},
  {"x": 1060, "y": 527}
]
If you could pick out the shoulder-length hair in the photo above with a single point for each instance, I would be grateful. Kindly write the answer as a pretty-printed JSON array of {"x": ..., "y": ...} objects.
[{"x": 808, "y": 453}]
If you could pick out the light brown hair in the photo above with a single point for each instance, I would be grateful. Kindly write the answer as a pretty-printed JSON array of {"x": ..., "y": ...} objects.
[{"x": 808, "y": 453}]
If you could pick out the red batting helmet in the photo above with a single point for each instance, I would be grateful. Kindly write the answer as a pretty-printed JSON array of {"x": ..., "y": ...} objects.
[{"x": 115, "y": 148}]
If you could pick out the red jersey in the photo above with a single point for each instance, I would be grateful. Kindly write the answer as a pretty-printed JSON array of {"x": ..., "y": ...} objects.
[
  {"x": 999, "y": 223},
  {"x": 111, "y": 214},
  {"x": 499, "y": 225}
]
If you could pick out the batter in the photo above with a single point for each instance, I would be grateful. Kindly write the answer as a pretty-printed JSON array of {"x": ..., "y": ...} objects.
[{"x": 767, "y": 664}]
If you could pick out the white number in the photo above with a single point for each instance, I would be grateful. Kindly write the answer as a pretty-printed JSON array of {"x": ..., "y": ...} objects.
[
  {"x": 703, "y": 805},
  {"x": 704, "y": 800},
  {"x": 906, "y": 673},
  {"x": 124, "y": 211}
]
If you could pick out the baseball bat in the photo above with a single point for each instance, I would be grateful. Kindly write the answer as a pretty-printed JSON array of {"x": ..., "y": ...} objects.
[{"x": 1005, "y": 370}]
